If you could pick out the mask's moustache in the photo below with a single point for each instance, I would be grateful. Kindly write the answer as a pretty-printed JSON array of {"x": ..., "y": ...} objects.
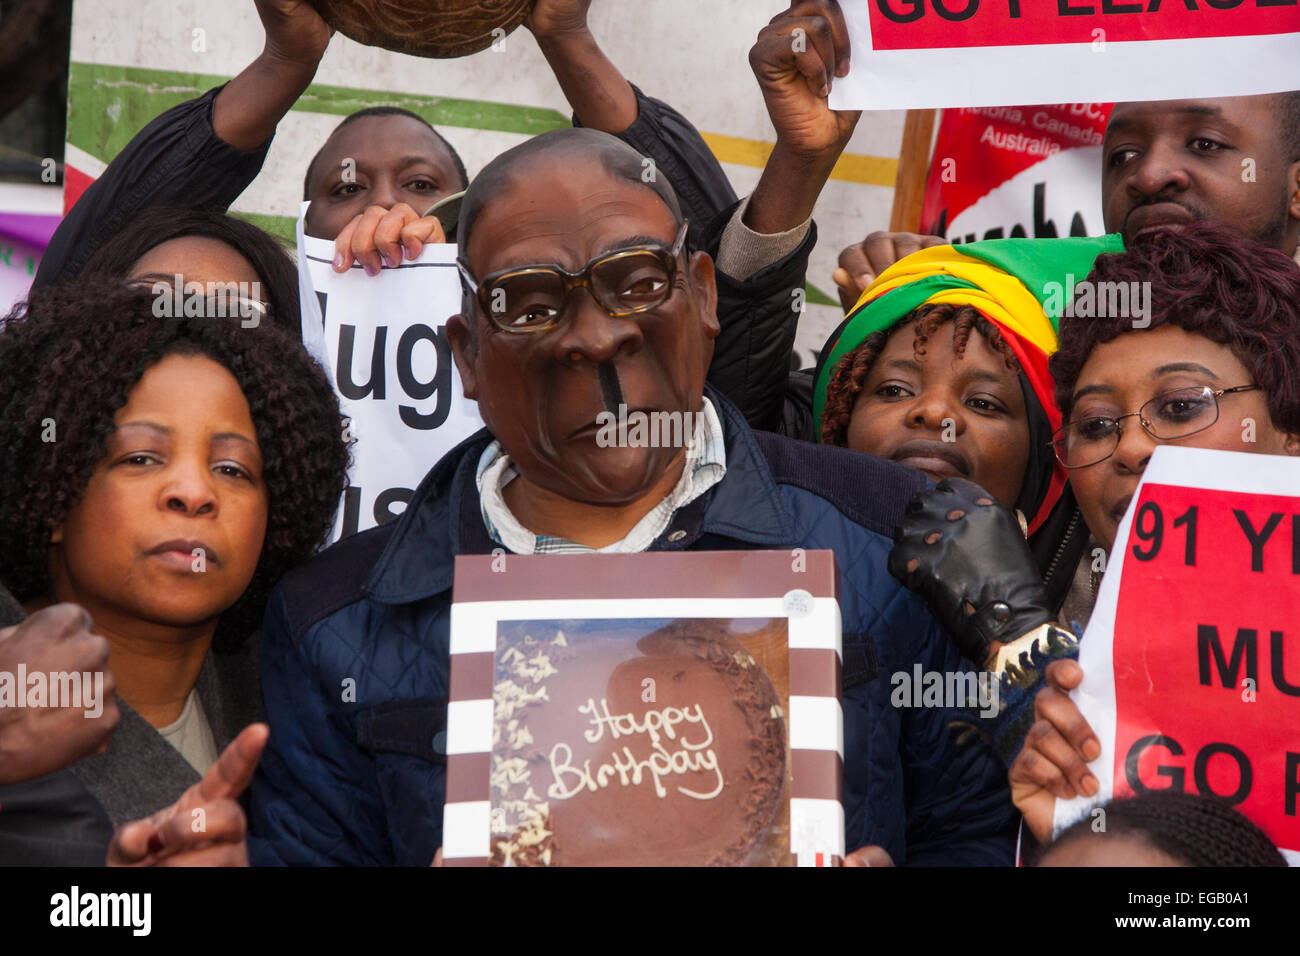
[{"x": 609, "y": 387}]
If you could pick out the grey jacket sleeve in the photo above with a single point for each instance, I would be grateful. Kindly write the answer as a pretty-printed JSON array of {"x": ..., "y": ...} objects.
[{"x": 54, "y": 820}]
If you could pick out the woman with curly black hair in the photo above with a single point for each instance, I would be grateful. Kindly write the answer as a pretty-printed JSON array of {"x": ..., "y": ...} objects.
[{"x": 163, "y": 473}]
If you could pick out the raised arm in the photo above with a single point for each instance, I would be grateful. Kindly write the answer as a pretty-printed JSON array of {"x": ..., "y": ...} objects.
[
  {"x": 249, "y": 107},
  {"x": 762, "y": 252},
  {"x": 203, "y": 152},
  {"x": 602, "y": 98}
]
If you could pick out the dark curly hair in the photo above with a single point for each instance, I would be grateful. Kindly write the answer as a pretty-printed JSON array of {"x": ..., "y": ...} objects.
[
  {"x": 153, "y": 226},
  {"x": 1206, "y": 279},
  {"x": 73, "y": 354},
  {"x": 1195, "y": 830},
  {"x": 850, "y": 373}
]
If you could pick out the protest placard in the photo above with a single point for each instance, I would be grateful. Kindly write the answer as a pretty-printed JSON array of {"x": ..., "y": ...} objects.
[
  {"x": 1016, "y": 171},
  {"x": 382, "y": 342},
  {"x": 945, "y": 53},
  {"x": 1191, "y": 660}
]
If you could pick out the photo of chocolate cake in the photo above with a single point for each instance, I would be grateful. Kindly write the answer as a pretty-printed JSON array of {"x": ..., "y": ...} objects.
[{"x": 634, "y": 742}]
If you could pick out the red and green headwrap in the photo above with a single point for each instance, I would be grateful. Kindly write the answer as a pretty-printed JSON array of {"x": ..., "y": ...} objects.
[{"x": 1019, "y": 285}]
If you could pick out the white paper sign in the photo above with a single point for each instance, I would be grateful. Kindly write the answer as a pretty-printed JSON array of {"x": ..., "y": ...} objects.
[
  {"x": 383, "y": 344},
  {"x": 915, "y": 54}
]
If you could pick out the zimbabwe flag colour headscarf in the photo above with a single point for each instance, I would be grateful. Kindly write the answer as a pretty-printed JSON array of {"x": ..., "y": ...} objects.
[{"x": 1019, "y": 285}]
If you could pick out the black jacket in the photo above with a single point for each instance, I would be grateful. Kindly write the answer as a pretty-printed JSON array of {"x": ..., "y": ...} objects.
[
  {"x": 751, "y": 356},
  {"x": 177, "y": 160}
]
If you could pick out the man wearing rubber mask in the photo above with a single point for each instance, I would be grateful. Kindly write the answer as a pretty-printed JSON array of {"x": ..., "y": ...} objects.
[{"x": 581, "y": 295}]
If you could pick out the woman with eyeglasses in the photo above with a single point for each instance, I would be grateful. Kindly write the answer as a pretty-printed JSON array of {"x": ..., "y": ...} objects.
[
  {"x": 1217, "y": 366},
  {"x": 210, "y": 255}
]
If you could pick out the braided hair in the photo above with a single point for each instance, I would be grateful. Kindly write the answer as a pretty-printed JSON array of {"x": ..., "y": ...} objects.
[
  {"x": 1196, "y": 830},
  {"x": 850, "y": 373}
]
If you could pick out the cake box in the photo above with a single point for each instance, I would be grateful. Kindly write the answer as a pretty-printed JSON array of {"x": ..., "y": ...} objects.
[{"x": 653, "y": 709}]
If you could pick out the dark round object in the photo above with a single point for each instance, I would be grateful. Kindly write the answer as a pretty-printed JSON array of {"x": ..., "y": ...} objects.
[{"x": 434, "y": 28}]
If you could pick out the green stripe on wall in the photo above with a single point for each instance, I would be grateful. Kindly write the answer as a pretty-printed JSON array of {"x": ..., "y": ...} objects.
[
  {"x": 110, "y": 104},
  {"x": 815, "y": 296},
  {"x": 284, "y": 228}
]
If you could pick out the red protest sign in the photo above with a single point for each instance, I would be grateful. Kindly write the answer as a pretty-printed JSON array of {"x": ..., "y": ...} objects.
[
  {"x": 923, "y": 54},
  {"x": 942, "y": 24},
  {"x": 1016, "y": 171},
  {"x": 1206, "y": 651}
]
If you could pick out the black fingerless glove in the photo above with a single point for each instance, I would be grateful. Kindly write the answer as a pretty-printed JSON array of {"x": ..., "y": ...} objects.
[{"x": 965, "y": 554}]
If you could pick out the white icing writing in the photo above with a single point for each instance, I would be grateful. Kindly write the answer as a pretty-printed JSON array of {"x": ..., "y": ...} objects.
[
  {"x": 659, "y": 725},
  {"x": 630, "y": 771},
  {"x": 625, "y": 725}
]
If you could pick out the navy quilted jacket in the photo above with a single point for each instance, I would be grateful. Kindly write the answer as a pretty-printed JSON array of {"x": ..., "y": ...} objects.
[{"x": 355, "y": 665}]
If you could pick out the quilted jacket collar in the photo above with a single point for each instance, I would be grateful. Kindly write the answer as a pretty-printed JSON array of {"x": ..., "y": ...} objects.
[{"x": 443, "y": 518}]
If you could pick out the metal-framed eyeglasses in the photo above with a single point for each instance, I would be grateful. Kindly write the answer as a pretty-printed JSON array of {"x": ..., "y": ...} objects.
[{"x": 1178, "y": 413}]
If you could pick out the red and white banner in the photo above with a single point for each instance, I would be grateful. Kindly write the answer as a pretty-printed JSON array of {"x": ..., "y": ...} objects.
[
  {"x": 1191, "y": 660},
  {"x": 1016, "y": 171},
  {"x": 944, "y": 53}
]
